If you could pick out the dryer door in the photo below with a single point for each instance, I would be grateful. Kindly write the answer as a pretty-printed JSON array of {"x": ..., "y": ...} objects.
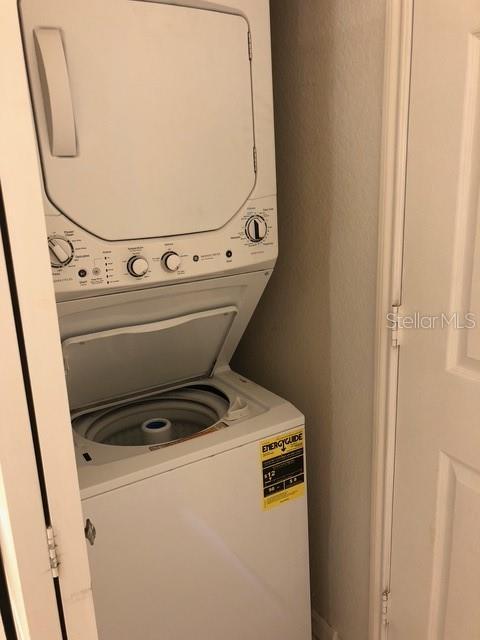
[{"x": 143, "y": 111}]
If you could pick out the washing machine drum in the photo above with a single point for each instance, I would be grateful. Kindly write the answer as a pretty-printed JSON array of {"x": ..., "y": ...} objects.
[{"x": 162, "y": 419}]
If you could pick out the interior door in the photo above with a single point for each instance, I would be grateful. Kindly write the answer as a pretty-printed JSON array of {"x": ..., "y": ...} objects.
[
  {"x": 144, "y": 113},
  {"x": 435, "y": 571},
  {"x": 41, "y": 524},
  {"x": 28, "y": 601}
]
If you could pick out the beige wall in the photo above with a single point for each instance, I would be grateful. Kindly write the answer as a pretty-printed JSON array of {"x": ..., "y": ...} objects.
[{"x": 311, "y": 339}]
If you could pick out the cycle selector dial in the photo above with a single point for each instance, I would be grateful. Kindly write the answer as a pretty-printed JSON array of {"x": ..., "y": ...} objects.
[
  {"x": 137, "y": 266},
  {"x": 61, "y": 251},
  {"x": 256, "y": 228},
  {"x": 171, "y": 261}
]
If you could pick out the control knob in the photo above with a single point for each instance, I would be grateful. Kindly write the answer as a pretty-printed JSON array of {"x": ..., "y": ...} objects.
[
  {"x": 137, "y": 266},
  {"x": 61, "y": 251},
  {"x": 256, "y": 228},
  {"x": 171, "y": 261}
]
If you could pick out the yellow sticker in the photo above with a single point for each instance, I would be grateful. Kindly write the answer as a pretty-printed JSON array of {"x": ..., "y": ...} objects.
[{"x": 283, "y": 468}]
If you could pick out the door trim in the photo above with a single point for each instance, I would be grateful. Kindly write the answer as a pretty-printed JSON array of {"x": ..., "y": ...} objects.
[{"x": 398, "y": 53}]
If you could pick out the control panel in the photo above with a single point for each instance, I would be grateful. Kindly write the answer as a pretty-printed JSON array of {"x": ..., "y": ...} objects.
[{"x": 84, "y": 265}]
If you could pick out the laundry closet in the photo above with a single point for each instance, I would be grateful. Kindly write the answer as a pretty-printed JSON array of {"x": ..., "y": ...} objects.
[
  {"x": 189, "y": 368},
  {"x": 154, "y": 286}
]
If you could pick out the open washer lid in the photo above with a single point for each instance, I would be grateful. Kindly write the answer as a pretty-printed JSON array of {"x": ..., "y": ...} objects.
[
  {"x": 123, "y": 361},
  {"x": 143, "y": 111}
]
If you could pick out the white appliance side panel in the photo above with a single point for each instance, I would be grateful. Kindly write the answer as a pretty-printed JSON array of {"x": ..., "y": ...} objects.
[{"x": 192, "y": 554}]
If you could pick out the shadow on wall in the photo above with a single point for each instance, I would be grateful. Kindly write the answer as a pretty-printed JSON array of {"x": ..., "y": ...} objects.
[
  {"x": 287, "y": 346},
  {"x": 311, "y": 339}
]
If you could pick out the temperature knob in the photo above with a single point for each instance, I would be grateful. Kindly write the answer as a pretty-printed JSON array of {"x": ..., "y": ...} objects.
[
  {"x": 256, "y": 229},
  {"x": 61, "y": 251},
  {"x": 137, "y": 266},
  {"x": 171, "y": 261}
]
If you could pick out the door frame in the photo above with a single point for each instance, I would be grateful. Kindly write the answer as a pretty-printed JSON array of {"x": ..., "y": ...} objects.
[{"x": 396, "y": 97}]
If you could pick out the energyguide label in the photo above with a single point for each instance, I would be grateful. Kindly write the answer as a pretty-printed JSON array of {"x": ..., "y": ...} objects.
[{"x": 282, "y": 458}]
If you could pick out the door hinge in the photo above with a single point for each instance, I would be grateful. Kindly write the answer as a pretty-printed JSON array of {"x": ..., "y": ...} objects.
[
  {"x": 385, "y": 603},
  {"x": 393, "y": 323},
  {"x": 255, "y": 159},
  {"x": 249, "y": 36},
  {"x": 52, "y": 552},
  {"x": 90, "y": 531}
]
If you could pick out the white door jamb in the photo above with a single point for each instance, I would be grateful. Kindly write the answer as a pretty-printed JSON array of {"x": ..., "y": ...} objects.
[{"x": 398, "y": 47}]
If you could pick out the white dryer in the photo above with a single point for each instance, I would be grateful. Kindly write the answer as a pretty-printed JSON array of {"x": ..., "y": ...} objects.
[{"x": 155, "y": 132}]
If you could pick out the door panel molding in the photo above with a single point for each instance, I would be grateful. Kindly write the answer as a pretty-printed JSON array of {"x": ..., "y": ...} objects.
[
  {"x": 398, "y": 43},
  {"x": 457, "y": 519},
  {"x": 463, "y": 355}
]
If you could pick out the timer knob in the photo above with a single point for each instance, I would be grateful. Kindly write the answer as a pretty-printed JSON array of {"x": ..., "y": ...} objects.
[
  {"x": 171, "y": 261},
  {"x": 256, "y": 228},
  {"x": 137, "y": 266},
  {"x": 61, "y": 251}
]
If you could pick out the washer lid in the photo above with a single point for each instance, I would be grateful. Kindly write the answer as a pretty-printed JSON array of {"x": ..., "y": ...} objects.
[
  {"x": 110, "y": 364},
  {"x": 143, "y": 111}
]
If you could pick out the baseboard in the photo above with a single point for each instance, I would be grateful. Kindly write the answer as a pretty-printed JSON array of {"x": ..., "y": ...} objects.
[{"x": 321, "y": 629}]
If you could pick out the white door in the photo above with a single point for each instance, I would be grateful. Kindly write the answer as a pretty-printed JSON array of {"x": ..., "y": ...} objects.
[
  {"x": 50, "y": 600},
  {"x": 435, "y": 571},
  {"x": 28, "y": 599}
]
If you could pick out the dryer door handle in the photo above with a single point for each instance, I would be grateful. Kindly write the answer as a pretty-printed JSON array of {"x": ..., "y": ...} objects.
[{"x": 57, "y": 99}]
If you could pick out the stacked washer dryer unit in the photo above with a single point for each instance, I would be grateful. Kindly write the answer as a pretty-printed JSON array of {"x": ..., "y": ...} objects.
[{"x": 155, "y": 131}]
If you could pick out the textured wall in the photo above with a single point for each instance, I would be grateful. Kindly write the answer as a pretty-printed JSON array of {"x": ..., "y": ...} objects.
[{"x": 311, "y": 339}]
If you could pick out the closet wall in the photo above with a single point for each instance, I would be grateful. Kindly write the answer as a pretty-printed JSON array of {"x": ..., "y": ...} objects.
[{"x": 312, "y": 337}]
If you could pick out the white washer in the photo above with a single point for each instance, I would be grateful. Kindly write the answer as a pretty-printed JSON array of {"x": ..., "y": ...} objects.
[
  {"x": 184, "y": 547},
  {"x": 201, "y": 520},
  {"x": 155, "y": 132}
]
